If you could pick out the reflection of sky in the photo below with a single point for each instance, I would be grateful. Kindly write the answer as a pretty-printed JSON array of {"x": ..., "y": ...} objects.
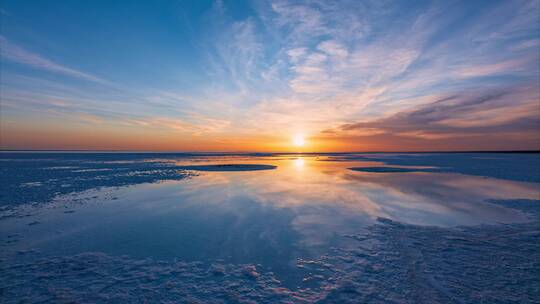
[{"x": 271, "y": 217}]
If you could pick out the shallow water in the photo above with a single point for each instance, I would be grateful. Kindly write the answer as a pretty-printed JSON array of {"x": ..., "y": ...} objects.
[{"x": 300, "y": 210}]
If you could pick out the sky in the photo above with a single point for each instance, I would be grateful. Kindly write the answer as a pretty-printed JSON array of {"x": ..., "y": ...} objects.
[{"x": 291, "y": 76}]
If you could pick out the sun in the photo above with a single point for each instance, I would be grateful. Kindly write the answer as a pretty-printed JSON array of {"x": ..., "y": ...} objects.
[{"x": 298, "y": 140}]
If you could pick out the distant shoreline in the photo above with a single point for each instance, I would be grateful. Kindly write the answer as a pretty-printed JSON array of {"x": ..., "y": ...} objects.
[{"x": 258, "y": 153}]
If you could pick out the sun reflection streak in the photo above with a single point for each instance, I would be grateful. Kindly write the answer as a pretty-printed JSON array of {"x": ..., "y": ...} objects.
[{"x": 299, "y": 163}]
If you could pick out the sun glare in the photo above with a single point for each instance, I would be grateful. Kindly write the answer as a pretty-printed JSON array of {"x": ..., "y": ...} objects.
[
  {"x": 299, "y": 163},
  {"x": 299, "y": 140}
]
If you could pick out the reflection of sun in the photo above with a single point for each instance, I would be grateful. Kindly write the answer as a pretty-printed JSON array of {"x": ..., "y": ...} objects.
[
  {"x": 299, "y": 140},
  {"x": 299, "y": 163}
]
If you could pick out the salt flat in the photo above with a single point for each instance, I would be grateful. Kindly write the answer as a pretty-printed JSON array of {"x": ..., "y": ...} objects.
[{"x": 434, "y": 228}]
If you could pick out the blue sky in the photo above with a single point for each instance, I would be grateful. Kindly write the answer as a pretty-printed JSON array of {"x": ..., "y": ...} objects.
[{"x": 251, "y": 75}]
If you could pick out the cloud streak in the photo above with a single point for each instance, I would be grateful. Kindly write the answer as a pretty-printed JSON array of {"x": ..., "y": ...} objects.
[
  {"x": 15, "y": 53},
  {"x": 499, "y": 113}
]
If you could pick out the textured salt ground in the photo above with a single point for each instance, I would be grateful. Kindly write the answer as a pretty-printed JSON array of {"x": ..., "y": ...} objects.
[
  {"x": 38, "y": 178},
  {"x": 392, "y": 263}
]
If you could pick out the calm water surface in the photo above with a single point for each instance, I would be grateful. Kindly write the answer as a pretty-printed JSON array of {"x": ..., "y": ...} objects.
[{"x": 301, "y": 209}]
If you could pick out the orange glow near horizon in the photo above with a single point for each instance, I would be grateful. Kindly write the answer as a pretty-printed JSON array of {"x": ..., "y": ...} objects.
[{"x": 55, "y": 136}]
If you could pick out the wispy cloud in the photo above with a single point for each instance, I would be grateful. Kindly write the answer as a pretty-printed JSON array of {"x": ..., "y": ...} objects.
[
  {"x": 512, "y": 66},
  {"x": 502, "y": 111},
  {"x": 338, "y": 76},
  {"x": 13, "y": 52},
  {"x": 195, "y": 125}
]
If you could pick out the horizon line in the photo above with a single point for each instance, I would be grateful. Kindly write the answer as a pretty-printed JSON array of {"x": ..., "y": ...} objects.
[{"x": 256, "y": 152}]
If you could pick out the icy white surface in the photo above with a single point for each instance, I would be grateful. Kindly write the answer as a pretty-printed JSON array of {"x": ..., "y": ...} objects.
[
  {"x": 392, "y": 263},
  {"x": 413, "y": 264},
  {"x": 67, "y": 221}
]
